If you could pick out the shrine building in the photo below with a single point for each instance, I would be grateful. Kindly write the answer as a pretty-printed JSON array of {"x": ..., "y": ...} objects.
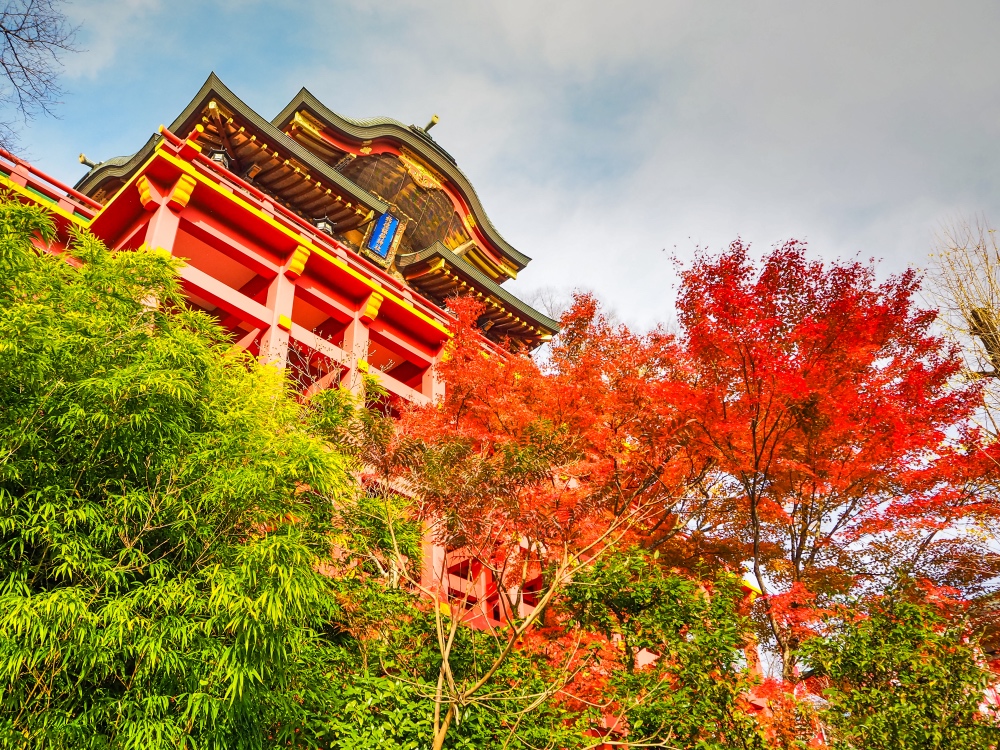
[{"x": 325, "y": 244}]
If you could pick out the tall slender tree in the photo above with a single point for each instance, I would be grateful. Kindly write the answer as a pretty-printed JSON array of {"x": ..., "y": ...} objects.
[{"x": 827, "y": 404}]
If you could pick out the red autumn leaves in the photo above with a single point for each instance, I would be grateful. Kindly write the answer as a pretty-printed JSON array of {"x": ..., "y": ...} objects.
[{"x": 806, "y": 424}]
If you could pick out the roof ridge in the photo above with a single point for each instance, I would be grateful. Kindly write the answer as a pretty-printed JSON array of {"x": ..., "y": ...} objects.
[{"x": 413, "y": 137}]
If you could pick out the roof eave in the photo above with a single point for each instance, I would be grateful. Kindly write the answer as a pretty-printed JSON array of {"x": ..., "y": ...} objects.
[
  {"x": 440, "y": 159},
  {"x": 474, "y": 274},
  {"x": 214, "y": 88}
]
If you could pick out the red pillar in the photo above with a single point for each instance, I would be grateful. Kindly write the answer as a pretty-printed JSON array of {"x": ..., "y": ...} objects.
[
  {"x": 356, "y": 348},
  {"x": 431, "y": 385},
  {"x": 161, "y": 232},
  {"x": 274, "y": 342},
  {"x": 356, "y": 341}
]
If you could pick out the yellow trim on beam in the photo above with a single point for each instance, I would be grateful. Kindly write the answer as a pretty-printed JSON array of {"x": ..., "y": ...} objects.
[
  {"x": 50, "y": 205},
  {"x": 339, "y": 262}
]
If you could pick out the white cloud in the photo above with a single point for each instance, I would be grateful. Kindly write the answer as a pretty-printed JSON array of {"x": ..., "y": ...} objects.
[
  {"x": 106, "y": 26},
  {"x": 856, "y": 125},
  {"x": 600, "y": 133}
]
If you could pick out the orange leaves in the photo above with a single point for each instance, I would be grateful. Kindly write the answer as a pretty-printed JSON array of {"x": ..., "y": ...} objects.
[
  {"x": 807, "y": 420},
  {"x": 827, "y": 404},
  {"x": 567, "y": 452},
  {"x": 797, "y": 611}
]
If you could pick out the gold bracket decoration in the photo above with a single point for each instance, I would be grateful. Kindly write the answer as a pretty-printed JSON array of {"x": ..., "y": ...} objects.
[
  {"x": 284, "y": 323},
  {"x": 297, "y": 264},
  {"x": 420, "y": 174},
  {"x": 146, "y": 193},
  {"x": 372, "y": 307},
  {"x": 181, "y": 193},
  {"x": 305, "y": 123}
]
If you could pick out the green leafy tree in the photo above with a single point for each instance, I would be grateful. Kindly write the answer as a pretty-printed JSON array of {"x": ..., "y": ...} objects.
[
  {"x": 162, "y": 517},
  {"x": 677, "y": 678},
  {"x": 902, "y": 675}
]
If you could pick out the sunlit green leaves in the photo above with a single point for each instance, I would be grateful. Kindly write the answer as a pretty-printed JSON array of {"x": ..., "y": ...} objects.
[
  {"x": 685, "y": 692},
  {"x": 163, "y": 511},
  {"x": 900, "y": 675}
]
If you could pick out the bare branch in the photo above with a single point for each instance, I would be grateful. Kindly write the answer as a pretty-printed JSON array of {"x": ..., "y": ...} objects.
[{"x": 33, "y": 36}]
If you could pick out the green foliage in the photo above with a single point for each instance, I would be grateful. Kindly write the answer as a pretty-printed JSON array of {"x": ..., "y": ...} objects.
[
  {"x": 188, "y": 560},
  {"x": 376, "y": 526},
  {"x": 160, "y": 516},
  {"x": 496, "y": 717},
  {"x": 902, "y": 676},
  {"x": 370, "y": 712},
  {"x": 689, "y": 697}
]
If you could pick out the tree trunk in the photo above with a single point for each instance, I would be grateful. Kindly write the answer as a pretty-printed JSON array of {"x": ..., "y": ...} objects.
[{"x": 443, "y": 731}]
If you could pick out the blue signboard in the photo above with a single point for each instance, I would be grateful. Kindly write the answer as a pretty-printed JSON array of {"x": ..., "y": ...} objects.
[{"x": 382, "y": 235}]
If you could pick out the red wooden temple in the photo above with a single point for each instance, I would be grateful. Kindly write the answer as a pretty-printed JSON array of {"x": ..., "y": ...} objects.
[
  {"x": 325, "y": 245},
  {"x": 319, "y": 241}
]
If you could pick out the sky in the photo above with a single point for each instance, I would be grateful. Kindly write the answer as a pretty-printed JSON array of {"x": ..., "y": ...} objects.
[{"x": 605, "y": 139}]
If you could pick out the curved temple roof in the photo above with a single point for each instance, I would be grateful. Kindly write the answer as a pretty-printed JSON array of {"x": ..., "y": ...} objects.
[
  {"x": 437, "y": 272},
  {"x": 330, "y": 168},
  {"x": 214, "y": 89},
  {"x": 413, "y": 138}
]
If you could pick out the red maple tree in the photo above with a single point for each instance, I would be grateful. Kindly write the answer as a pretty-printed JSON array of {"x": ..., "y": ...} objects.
[
  {"x": 530, "y": 471},
  {"x": 806, "y": 423},
  {"x": 827, "y": 405}
]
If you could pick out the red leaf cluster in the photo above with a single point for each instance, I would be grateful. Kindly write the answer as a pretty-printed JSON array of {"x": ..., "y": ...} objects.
[{"x": 806, "y": 423}]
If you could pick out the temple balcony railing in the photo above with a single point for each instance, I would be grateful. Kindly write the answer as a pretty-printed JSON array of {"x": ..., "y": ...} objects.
[
  {"x": 291, "y": 290},
  {"x": 336, "y": 315},
  {"x": 29, "y": 183},
  {"x": 300, "y": 225}
]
